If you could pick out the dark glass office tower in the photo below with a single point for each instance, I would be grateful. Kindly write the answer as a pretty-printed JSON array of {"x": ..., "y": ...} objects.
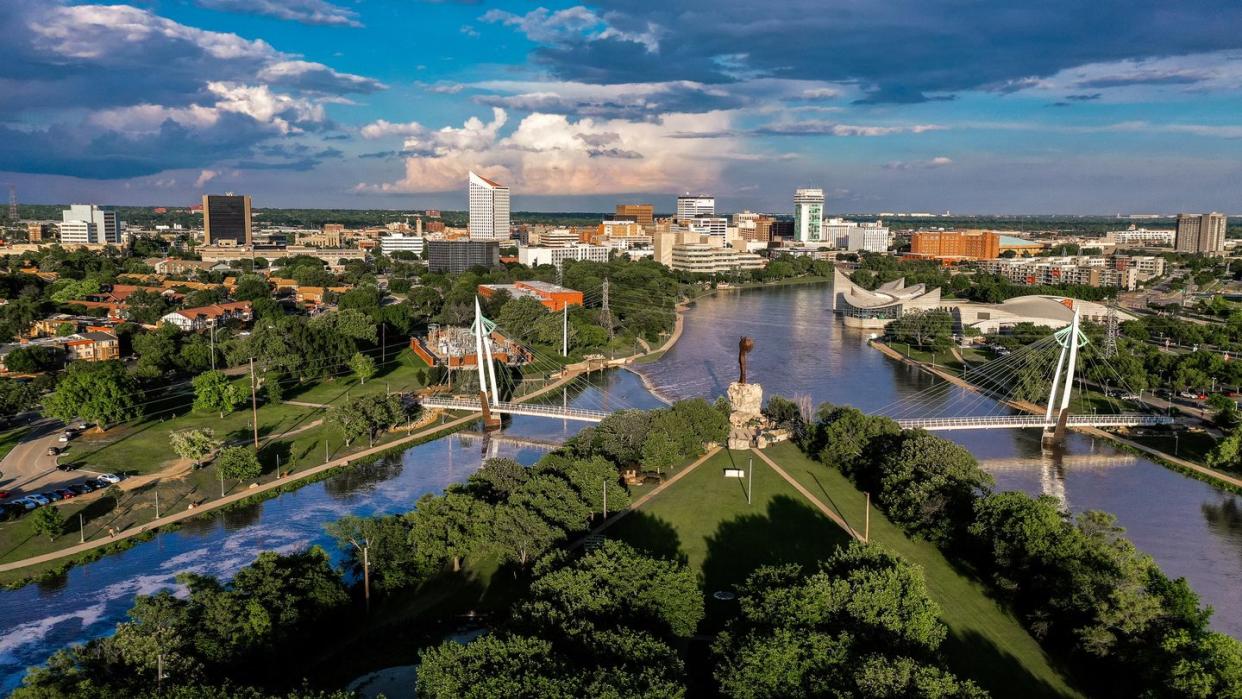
[{"x": 226, "y": 219}]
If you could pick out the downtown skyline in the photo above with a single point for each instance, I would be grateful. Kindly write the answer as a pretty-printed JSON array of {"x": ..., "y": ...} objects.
[{"x": 1001, "y": 108}]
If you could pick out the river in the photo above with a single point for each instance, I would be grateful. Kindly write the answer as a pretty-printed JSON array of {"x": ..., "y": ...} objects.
[{"x": 1191, "y": 528}]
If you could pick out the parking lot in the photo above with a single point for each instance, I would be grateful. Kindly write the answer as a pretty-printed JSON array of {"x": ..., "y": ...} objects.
[{"x": 30, "y": 476}]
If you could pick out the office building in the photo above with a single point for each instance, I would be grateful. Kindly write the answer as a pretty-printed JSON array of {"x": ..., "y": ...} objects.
[
  {"x": 398, "y": 242},
  {"x": 867, "y": 237},
  {"x": 553, "y": 296},
  {"x": 753, "y": 227},
  {"x": 642, "y": 214},
  {"x": 88, "y": 224},
  {"x": 226, "y": 220},
  {"x": 578, "y": 252},
  {"x": 36, "y": 231},
  {"x": 705, "y": 258},
  {"x": 1202, "y": 234},
  {"x": 559, "y": 238},
  {"x": 621, "y": 229},
  {"x": 489, "y": 209},
  {"x": 689, "y": 206},
  {"x": 808, "y": 216},
  {"x": 709, "y": 225},
  {"x": 457, "y": 256},
  {"x": 950, "y": 246}
]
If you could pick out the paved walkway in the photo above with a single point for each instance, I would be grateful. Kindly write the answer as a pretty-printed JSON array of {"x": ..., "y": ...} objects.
[
  {"x": 235, "y": 497},
  {"x": 819, "y": 505},
  {"x": 304, "y": 404}
]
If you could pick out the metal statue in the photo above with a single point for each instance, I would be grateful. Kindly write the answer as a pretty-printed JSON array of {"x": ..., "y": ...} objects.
[{"x": 744, "y": 346}]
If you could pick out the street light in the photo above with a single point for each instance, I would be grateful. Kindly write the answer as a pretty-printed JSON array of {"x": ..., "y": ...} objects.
[{"x": 365, "y": 548}]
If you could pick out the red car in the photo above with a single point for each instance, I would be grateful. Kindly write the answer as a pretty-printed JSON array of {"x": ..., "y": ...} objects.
[
  {"x": 4, "y": 494},
  {"x": 66, "y": 493}
]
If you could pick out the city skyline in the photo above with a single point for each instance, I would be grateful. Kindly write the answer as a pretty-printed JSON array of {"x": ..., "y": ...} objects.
[{"x": 580, "y": 107}]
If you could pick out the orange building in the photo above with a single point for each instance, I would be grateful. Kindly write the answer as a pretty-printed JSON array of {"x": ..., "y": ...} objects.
[
  {"x": 553, "y": 297},
  {"x": 955, "y": 245},
  {"x": 643, "y": 214}
]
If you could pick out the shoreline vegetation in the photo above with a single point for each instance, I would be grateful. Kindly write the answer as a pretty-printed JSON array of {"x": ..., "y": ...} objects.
[{"x": 96, "y": 548}]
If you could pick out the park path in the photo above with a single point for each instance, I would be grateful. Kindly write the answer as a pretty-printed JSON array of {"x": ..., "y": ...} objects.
[
  {"x": 304, "y": 404},
  {"x": 235, "y": 497},
  {"x": 819, "y": 505},
  {"x": 613, "y": 519}
]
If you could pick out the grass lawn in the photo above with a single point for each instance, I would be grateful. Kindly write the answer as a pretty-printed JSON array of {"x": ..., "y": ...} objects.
[
  {"x": 1192, "y": 446},
  {"x": 704, "y": 520},
  {"x": 399, "y": 373},
  {"x": 10, "y": 439},
  {"x": 986, "y": 643}
]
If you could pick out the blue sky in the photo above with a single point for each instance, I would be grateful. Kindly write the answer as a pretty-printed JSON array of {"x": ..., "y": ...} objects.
[{"x": 988, "y": 107}]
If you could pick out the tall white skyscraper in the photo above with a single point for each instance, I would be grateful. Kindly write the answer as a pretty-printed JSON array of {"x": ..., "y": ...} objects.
[
  {"x": 809, "y": 216},
  {"x": 689, "y": 207},
  {"x": 88, "y": 223},
  {"x": 489, "y": 209}
]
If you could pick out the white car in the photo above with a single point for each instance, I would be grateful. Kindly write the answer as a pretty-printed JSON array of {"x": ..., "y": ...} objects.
[
  {"x": 109, "y": 478},
  {"x": 37, "y": 499},
  {"x": 64, "y": 438},
  {"x": 1131, "y": 396}
]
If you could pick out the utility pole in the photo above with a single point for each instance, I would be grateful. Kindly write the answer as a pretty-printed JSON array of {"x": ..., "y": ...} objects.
[
  {"x": 605, "y": 498},
  {"x": 81, "y": 529},
  {"x": 254, "y": 405},
  {"x": 605, "y": 313},
  {"x": 211, "y": 332},
  {"x": 565, "y": 330},
  {"x": 383, "y": 347},
  {"x": 867, "y": 521},
  {"x": 750, "y": 480},
  {"x": 365, "y": 548},
  {"x": 157, "y": 504},
  {"x": 1111, "y": 328}
]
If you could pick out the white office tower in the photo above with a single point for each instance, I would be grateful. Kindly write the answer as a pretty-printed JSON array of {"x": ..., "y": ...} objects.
[
  {"x": 697, "y": 206},
  {"x": 808, "y": 215},
  {"x": 489, "y": 209},
  {"x": 88, "y": 223}
]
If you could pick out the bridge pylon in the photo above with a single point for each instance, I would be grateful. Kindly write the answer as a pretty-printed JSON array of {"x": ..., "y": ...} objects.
[
  {"x": 483, "y": 339},
  {"x": 1070, "y": 340}
]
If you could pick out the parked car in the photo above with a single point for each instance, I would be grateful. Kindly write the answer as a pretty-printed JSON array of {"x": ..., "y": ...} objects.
[
  {"x": 11, "y": 510},
  {"x": 65, "y": 493},
  {"x": 64, "y": 438},
  {"x": 53, "y": 451},
  {"x": 98, "y": 484},
  {"x": 109, "y": 477},
  {"x": 81, "y": 488},
  {"x": 65, "y": 467},
  {"x": 1131, "y": 396},
  {"x": 52, "y": 496},
  {"x": 38, "y": 499},
  {"x": 4, "y": 494},
  {"x": 1187, "y": 394},
  {"x": 27, "y": 502}
]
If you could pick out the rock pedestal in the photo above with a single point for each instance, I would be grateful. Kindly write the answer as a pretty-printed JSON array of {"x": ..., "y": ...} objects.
[{"x": 746, "y": 422}]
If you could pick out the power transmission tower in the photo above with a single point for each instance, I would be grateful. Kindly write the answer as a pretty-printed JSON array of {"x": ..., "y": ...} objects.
[
  {"x": 605, "y": 313},
  {"x": 1111, "y": 327},
  {"x": 12, "y": 203}
]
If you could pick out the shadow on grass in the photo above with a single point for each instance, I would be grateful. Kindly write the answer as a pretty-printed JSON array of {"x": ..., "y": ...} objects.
[
  {"x": 650, "y": 534},
  {"x": 973, "y": 656}
]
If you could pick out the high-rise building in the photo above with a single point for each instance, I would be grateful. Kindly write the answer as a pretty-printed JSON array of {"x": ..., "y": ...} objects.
[
  {"x": 1201, "y": 233},
  {"x": 689, "y": 206},
  {"x": 809, "y": 215},
  {"x": 643, "y": 214},
  {"x": 90, "y": 224},
  {"x": 226, "y": 219},
  {"x": 708, "y": 225},
  {"x": 489, "y": 209},
  {"x": 457, "y": 256}
]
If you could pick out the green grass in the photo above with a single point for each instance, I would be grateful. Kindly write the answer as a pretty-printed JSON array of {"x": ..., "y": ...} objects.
[
  {"x": 400, "y": 374},
  {"x": 10, "y": 439},
  {"x": 986, "y": 643},
  {"x": 1192, "y": 446}
]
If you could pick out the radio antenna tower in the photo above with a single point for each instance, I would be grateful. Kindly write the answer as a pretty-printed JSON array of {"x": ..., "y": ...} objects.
[
  {"x": 12, "y": 203},
  {"x": 1111, "y": 328},
  {"x": 605, "y": 313}
]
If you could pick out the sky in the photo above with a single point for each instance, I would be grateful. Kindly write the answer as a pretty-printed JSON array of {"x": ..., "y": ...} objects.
[{"x": 967, "y": 106}]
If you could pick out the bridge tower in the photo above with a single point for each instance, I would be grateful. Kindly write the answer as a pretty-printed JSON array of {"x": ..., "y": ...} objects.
[
  {"x": 482, "y": 329},
  {"x": 1070, "y": 340}
]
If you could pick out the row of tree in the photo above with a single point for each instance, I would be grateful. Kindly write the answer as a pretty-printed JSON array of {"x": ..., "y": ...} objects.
[{"x": 1078, "y": 584}]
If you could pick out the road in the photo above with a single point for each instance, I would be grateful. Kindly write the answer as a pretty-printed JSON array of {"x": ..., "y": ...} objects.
[{"x": 28, "y": 468}]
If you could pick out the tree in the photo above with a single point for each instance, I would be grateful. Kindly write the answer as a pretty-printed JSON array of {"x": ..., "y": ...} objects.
[
  {"x": 495, "y": 666},
  {"x": 552, "y": 498},
  {"x": 238, "y": 463},
  {"x": 362, "y": 366},
  {"x": 520, "y": 316},
  {"x": 17, "y": 396},
  {"x": 215, "y": 392},
  {"x": 48, "y": 520},
  {"x": 522, "y": 534},
  {"x": 391, "y": 557},
  {"x": 194, "y": 444},
  {"x": 660, "y": 451},
  {"x": 448, "y": 526},
  {"x": 1227, "y": 454},
  {"x": 498, "y": 479},
  {"x": 32, "y": 360},
  {"x": 99, "y": 392},
  {"x": 928, "y": 484}
]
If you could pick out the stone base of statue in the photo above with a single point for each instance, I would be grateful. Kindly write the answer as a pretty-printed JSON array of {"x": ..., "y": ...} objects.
[{"x": 746, "y": 422}]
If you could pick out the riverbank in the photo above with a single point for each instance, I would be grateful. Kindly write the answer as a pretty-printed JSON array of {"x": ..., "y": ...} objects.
[{"x": 1178, "y": 464}]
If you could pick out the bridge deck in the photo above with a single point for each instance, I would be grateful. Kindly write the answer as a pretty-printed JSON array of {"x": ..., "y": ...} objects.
[
  {"x": 535, "y": 409},
  {"x": 1017, "y": 421}
]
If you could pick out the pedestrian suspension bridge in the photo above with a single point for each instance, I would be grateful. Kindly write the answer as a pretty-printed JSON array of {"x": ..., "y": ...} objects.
[{"x": 986, "y": 398}]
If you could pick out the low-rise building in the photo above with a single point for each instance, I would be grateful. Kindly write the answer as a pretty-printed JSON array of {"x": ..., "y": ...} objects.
[
  {"x": 1086, "y": 271},
  {"x": 399, "y": 242},
  {"x": 1134, "y": 236},
  {"x": 704, "y": 258},
  {"x": 552, "y": 296},
  {"x": 1148, "y": 266},
  {"x": 579, "y": 252},
  {"x": 454, "y": 348},
  {"x": 203, "y": 317}
]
